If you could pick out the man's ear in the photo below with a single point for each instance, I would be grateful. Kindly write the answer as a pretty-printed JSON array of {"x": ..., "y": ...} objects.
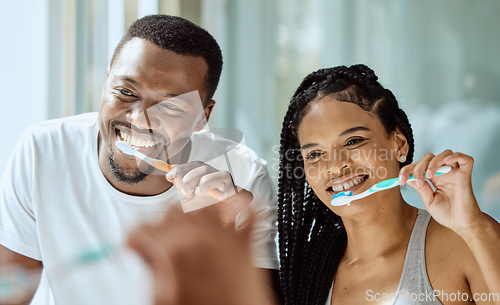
[
  {"x": 401, "y": 143},
  {"x": 207, "y": 111}
]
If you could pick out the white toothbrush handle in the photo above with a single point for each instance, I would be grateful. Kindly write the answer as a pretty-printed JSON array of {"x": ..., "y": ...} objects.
[
  {"x": 442, "y": 170},
  {"x": 144, "y": 157}
]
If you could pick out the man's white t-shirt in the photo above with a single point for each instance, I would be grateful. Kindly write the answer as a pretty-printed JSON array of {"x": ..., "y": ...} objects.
[{"x": 56, "y": 204}]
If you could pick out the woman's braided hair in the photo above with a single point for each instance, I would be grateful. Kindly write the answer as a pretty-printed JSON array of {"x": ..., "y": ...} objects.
[{"x": 312, "y": 238}]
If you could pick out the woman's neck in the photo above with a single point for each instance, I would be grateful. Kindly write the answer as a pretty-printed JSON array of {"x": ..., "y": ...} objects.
[{"x": 378, "y": 232}]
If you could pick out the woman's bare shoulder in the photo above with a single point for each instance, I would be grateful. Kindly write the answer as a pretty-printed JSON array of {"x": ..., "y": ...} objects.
[
  {"x": 450, "y": 263},
  {"x": 444, "y": 243}
]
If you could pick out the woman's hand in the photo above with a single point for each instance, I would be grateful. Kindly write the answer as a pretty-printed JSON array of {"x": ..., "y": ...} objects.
[{"x": 452, "y": 203}]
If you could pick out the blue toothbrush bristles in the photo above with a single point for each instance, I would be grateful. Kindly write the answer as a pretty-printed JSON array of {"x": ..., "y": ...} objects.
[
  {"x": 348, "y": 193},
  {"x": 341, "y": 198}
]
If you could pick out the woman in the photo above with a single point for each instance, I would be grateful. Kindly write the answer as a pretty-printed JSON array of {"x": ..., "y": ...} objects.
[{"x": 344, "y": 132}]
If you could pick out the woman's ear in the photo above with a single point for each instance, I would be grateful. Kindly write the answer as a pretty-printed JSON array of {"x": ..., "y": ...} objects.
[
  {"x": 205, "y": 116},
  {"x": 401, "y": 143}
]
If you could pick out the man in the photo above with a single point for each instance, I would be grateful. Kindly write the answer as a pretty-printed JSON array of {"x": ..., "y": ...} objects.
[{"x": 69, "y": 192}]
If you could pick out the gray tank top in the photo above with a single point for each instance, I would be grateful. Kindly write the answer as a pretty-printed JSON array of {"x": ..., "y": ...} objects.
[{"x": 414, "y": 285}]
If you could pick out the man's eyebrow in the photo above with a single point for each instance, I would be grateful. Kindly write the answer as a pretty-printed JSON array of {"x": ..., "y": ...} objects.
[
  {"x": 135, "y": 83},
  {"x": 354, "y": 129},
  {"x": 130, "y": 80},
  {"x": 170, "y": 95}
]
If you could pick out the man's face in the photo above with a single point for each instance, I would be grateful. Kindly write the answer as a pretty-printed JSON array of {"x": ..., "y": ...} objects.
[{"x": 151, "y": 100}]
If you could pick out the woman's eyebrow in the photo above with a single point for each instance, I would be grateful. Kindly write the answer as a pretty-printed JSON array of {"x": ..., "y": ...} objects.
[
  {"x": 354, "y": 129},
  {"x": 308, "y": 146},
  {"x": 344, "y": 133}
]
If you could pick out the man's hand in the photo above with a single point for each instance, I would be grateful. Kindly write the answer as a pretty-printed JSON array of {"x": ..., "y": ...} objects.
[
  {"x": 197, "y": 260},
  {"x": 200, "y": 185}
]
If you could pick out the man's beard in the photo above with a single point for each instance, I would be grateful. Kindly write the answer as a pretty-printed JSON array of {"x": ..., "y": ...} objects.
[{"x": 127, "y": 176}]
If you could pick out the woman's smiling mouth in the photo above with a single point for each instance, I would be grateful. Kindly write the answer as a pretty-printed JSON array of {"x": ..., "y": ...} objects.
[{"x": 343, "y": 184}]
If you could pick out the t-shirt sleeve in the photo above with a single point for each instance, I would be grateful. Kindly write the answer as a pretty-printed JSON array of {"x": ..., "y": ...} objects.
[
  {"x": 264, "y": 204},
  {"x": 18, "y": 228}
]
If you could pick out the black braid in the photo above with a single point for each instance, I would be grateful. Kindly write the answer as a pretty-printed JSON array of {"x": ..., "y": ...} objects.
[{"x": 312, "y": 238}]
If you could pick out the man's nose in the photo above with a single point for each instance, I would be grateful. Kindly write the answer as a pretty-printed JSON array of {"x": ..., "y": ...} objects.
[{"x": 144, "y": 118}]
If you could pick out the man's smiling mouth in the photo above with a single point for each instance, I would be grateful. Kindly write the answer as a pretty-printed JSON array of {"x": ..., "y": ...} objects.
[
  {"x": 139, "y": 142},
  {"x": 143, "y": 142}
]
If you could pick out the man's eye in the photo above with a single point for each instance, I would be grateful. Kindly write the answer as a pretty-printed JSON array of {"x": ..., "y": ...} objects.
[
  {"x": 172, "y": 107},
  {"x": 125, "y": 92}
]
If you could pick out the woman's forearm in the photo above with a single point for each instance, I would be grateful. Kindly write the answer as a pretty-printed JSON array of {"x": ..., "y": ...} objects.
[{"x": 484, "y": 242}]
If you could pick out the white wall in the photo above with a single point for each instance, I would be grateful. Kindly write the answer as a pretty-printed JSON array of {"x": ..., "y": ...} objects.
[{"x": 23, "y": 69}]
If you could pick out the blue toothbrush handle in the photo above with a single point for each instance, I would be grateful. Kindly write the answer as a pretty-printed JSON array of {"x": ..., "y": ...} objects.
[
  {"x": 390, "y": 183},
  {"x": 384, "y": 185},
  {"x": 346, "y": 197}
]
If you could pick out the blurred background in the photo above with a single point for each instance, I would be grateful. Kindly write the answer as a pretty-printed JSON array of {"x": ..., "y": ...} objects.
[{"x": 439, "y": 57}]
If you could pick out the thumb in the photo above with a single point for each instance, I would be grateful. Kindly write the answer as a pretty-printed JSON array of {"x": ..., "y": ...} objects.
[{"x": 247, "y": 220}]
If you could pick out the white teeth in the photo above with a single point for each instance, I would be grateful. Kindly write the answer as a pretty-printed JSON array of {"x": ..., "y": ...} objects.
[
  {"x": 135, "y": 142},
  {"x": 347, "y": 185}
]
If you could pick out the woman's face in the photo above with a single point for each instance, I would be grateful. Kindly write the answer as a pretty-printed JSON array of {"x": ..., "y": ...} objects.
[{"x": 346, "y": 148}]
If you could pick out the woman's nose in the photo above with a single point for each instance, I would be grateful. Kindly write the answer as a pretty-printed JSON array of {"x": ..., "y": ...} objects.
[{"x": 338, "y": 163}]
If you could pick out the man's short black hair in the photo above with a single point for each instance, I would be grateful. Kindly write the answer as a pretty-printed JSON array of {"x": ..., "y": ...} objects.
[{"x": 180, "y": 36}]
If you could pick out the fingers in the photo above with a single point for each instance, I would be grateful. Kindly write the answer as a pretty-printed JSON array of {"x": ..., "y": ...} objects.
[
  {"x": 428, "y": 167},
  {"x": 418, "y": 170},
  {"x": 167, "y": 252},
  {"x": 248, "y": 217},
  {"x": 197, "y": 179},
  {"x": 186, "y": 176},
  {"x": 425, "y": 168},
  {"x": 460, "y": 160},
  {"x": 218, "y": 180},
  {"x": 144, "y": 242},
  {"x": 436, "y": 163}
]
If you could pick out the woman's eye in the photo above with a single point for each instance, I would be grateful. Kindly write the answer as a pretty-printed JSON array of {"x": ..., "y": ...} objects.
[
  {"x": 353, "y": 141},
  {"x": 313, "y": 155}
]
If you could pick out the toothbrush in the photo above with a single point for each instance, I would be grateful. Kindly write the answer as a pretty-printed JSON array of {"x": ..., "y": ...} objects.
[
  {"x": 159, "y": 164},
  {"x": 129, "y": 150},
  {"x": 90, "y": 255},
  {"x": 17, "y": 282},
  {"x": 344, "y": 198}
]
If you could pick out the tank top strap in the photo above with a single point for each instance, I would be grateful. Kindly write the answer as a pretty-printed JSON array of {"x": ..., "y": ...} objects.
[{"x": 414, "y": 285}]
